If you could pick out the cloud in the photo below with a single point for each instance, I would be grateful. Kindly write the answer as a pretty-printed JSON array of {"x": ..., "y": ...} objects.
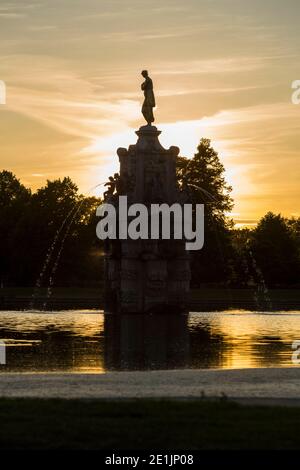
[
  {"x": 16, "y": 10},
  {"x": 11, "y": 15},
  {"x": 236, "y": 64},
  {"x": 84, "y": 118}
]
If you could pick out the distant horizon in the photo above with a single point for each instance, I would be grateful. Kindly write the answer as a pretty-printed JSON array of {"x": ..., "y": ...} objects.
[{"x": 221, "y": 70}]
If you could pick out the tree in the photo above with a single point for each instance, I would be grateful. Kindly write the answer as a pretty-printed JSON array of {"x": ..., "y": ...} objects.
[
  {"x": 275, "y": 250},
  {"x": 243, "y": 275},
  {"x": 14, "y": 198},
  {"x": 82, "y": 254},
  {"x": 294, "y": 226},
  {"x": 57, "y": 241},
  {"x": 48, "y": 209},
  {"x": 202, "y": 178},
  {"x": 13, "y": 194}
]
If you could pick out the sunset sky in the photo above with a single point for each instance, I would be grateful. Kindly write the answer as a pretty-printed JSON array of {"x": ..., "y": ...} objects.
[{"x": 222, "y": 69}]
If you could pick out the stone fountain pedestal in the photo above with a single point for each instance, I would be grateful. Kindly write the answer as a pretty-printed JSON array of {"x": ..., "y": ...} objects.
[{"x": 147, "y": 275}]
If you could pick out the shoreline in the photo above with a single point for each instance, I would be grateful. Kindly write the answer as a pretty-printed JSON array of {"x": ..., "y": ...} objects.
[
  {"x": 203, "y": 299},
  {"x": 251, "y": 386}
]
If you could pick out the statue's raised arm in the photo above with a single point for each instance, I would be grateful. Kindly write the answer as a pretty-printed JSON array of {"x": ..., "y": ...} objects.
[{"x": 149, "y": 101}]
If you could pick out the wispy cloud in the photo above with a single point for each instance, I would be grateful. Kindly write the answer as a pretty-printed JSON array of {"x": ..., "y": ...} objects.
[
  {"x": 16, "y": 10},
  {"x": 216, "y": 65}
]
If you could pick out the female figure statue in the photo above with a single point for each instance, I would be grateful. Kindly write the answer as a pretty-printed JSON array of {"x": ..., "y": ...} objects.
[{"x": 149, "y": 102}]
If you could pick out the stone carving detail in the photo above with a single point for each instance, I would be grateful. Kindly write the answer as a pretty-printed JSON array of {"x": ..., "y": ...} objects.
[
  {"x": 157, "y": 270},
  {"x": 128, "y": 296},
  {"x": 112, "y": 271}
]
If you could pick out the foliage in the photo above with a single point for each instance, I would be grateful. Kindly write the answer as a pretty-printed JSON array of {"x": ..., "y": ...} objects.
[
  {"x": 55, "y": 219},
  {"x": 56, "y": 222},
  {"x": 14, "y": 199},
  {"x": 202, "y": 178},
  {"x": 275, "y": 250}
]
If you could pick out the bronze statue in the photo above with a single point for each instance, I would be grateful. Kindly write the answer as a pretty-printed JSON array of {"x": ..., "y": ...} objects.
[
  {"x": 111, "y": 184},
  {"x": 149, "y": 102},
  {"x": 118, "y": 185}
]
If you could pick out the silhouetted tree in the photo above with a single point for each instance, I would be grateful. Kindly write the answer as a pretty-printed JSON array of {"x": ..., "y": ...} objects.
[
  {"x": 202, "y": 177},
  {"x": 55, "y": 215},
  {"x": 14, "y": 198},
  {"x": 83, "y": 253},
  {"x": 242, "y": 265},
  {"x": 275, "y": 250},
  {"x": 48, "y": 209},
  {"x": 294, "y": 225},
  {"x": 30, "y": 223}
]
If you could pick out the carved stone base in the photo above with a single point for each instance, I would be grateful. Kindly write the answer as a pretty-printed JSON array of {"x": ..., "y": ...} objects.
[{"x": 147, "y": 275}]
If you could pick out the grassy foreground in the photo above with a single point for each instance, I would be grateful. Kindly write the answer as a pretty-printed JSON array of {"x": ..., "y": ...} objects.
[{"x": 145, "y": 424}]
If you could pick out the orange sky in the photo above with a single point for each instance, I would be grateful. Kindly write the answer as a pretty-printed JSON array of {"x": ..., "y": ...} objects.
[{"x": 222, "y": 69}]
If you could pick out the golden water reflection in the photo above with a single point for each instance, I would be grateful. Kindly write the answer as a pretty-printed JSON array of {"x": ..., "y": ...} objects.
[{"x": 91, "y": 342}]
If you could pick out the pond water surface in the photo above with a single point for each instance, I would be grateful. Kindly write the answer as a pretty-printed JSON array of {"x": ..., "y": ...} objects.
[{"x": 91, "y": 342}]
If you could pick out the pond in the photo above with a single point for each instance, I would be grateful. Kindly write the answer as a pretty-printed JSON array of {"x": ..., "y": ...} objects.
[{"x": 88, "y": 341}]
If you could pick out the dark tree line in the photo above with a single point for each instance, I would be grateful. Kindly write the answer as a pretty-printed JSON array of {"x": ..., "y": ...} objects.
[
  {"x": 270, "y": 253},
  {"x": 56, "y": 223}
]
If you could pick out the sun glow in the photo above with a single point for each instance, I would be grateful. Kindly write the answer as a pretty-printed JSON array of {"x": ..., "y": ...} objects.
[{"x": 184, "y": 134}]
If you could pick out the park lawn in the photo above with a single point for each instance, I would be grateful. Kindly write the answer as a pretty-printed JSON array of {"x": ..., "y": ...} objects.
[
  {"x": 57, "y": 292},
  {"x": 199, "y": 294},
  {"x": 145, "y": 424}
]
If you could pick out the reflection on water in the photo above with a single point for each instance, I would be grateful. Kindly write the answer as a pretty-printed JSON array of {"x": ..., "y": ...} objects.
[
  {"x": 146, "y": 342},
  {"x": 84, "y": 341}
]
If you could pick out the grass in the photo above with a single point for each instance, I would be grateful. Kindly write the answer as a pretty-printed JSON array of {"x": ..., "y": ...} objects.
[
  {"x": 58, "y": 292},
  {"x": 145, "y": 424},
  {"x": 202, "y": 294}
]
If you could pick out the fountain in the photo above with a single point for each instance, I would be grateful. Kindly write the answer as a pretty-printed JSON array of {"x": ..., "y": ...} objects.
[{"x": 145, "y": 276}]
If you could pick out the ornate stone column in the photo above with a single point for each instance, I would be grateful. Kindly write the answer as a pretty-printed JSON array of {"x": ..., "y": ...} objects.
[{"x": 147, "y": 275}]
